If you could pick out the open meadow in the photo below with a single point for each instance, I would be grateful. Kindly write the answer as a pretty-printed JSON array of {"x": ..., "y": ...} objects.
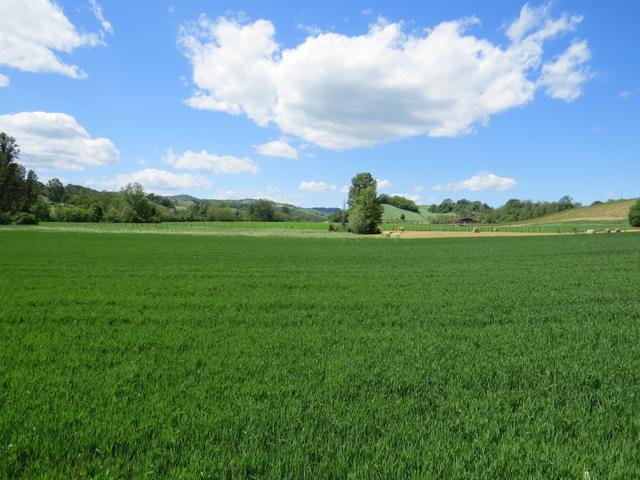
[{"x": 194, "y": 356}]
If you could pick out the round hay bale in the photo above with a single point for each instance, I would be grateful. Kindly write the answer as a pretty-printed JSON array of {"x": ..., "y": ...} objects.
[
  {"x": 590, "y": 232},
  {"x": 386, "y": 234},
  {"x": 476, "y": 230},
  {"x": 395, "y": 235}
]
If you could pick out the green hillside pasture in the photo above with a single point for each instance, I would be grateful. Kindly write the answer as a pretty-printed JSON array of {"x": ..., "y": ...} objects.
[
  {"x": 392, "y": 213},
  {"x": 610, "y": 211},
  {"x": 176, "y": 356}
]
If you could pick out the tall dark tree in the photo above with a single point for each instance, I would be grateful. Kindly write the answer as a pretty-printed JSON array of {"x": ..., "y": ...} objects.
[
  {"x": 634, "y": 214},
  {"x": 31, "y": 190},
  {"x": 11, "y": 175},
  {"x": 54, "y": 190}
]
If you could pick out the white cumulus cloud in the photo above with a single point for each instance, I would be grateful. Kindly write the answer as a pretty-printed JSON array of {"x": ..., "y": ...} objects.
[
  {"x": 277, "y": 148},
  {"x": 480, "y": 183},
  {"x": 344, "y": 91},
  {"x": 34, "y": 32},
  {"x": 313, "y": 186},
  {"x": 154, "y": 180},
  {"x": 383, "y": 184},
  {"x": 208, "y": 162},
  {"x": 564, "y": 77},
  {"x": 4, "y": 81},
  {"x": 55, "y": 141}
]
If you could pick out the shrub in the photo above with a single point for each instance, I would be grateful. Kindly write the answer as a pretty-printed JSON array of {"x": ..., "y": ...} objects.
[
  {"x": 40, "y": 208},
  {"x": 634, "y": 214},
  {"x": 71, "y": 213},
  {"x": 24, "y": 218},
  {"x": 5, "y": 218}
]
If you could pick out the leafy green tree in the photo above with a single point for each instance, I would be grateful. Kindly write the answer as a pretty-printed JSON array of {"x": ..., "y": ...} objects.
[
  {"x": 365, "y": 212},
  {"x": 261, "y": 211},
  {"x": 446, "y": 206},
  {"x": 360, "y": 182},
  {"x": 634, "y": 214},
  {"x": 132, "y": 206},
  {"x": 566, "y": 203},
  {"x": 54, "y": 190}
]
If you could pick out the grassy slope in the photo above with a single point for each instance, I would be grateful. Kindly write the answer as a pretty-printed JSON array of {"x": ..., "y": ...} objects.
[
  {"x": 180, "y": 357},
  {"x": 618, "y": 210},
  {"x": 392, "y": 214}
]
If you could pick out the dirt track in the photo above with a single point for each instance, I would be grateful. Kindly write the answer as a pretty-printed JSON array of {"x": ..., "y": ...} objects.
[{"x": 441, "y": 234}]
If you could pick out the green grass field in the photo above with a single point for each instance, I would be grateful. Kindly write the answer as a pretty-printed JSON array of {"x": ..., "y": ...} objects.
[
  {"x": 183, "y": 356},
  {"x": 295, "y": 229},
  {"x": 310, "y": 229}
]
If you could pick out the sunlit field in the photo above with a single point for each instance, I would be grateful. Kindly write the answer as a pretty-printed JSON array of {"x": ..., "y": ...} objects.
[
  {"x": 318, "y": 229},
  {"x": 184, "y": 356}
]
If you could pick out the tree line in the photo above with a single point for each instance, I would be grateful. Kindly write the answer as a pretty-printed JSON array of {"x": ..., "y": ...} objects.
[
  {"x": 26, "y": 200},
  {"x": 513, "y": 210}
]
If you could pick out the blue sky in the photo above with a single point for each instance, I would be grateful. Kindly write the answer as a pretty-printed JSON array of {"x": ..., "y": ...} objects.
[{"x": 504, "y": 100}]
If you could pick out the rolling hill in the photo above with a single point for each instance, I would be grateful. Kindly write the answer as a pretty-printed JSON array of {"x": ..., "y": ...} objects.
[
  {"x": 392, "y": 214},
  {"x": 615, "y": 210}
]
